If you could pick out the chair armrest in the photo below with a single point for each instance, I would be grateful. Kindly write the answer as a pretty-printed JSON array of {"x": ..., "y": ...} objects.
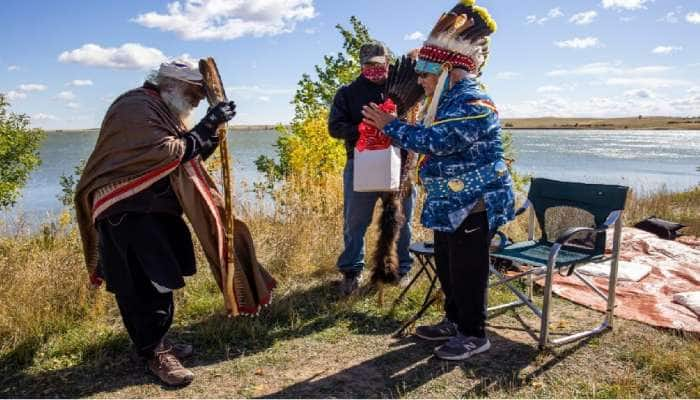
[
  {"x": 612, "y": 219},
  {"x": 571, "y": 232},
  {"x": 504, "y": 240},
  {"x": 565, "y": 237},
  {"x": 524, "y": 208},
  {"x": 568, "y": 234}
]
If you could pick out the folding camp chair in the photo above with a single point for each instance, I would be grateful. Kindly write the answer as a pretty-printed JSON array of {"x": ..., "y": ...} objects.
[
  {"x": 562, "y": 251},
  {"x": 425, "y": 254}
]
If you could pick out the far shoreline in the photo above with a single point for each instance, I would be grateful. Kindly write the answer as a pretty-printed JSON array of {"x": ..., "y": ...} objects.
[
  {"x": 611, "y": 124},
  {"x": 545, "y": 123}
]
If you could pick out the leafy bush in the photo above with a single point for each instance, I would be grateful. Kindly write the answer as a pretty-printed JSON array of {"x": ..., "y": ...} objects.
[
  {"x": 19, "y": 153},
  {"x": 306, "y": 147}
]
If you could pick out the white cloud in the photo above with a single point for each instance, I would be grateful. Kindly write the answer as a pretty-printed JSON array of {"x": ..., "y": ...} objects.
[
  {"x": 555, "y": 13},
  {"x": 666, "y": 49},
  {"x": 625, "y": 4},
  {"x": 552, "y": 14},
  {"x": 80, "y": 82},
  {"x": 640, "y": 93},
  {"x": 507, "y": 75},
  {"x": 265, "y": 99},
  {"x": 73, "y": 105},
  {"x": 13, "y": 68},
  {"x": 257, "y": 90},
  {"x": 579, "y": 43},
  {"x": 646, "y": 82},
  {"x": 588, "y": 69},
  {"x": 549, "y": 89},
  {"x": 65, "y": 95},
  {"x": 128, "y": 56},
  {"x": 227, "y": 20},
  {"x": 623, "y": 105},
  {"x": 15, "y": 95},
  {"x": 671, "y": 17},
  {"x": 608, "y": 69},
  {"x": 694, "y": 90},
  {"x": 693, "y": 17},
  {"x": 583, "y": 18},
  {"x": 417, "y": 35},
  {"x": 32, "y": 87},
  {"x": 44, "y": 117}
]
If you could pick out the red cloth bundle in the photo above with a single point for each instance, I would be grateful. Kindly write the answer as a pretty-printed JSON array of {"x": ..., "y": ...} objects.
[{"x": 372, "y": 138}]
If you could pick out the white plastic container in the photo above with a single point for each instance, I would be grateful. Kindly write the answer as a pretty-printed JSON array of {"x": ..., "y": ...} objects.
[{"x": 377, "y": 170}]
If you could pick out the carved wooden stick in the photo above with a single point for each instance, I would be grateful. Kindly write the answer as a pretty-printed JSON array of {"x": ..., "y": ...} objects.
[{"x": 215, "y": 94}]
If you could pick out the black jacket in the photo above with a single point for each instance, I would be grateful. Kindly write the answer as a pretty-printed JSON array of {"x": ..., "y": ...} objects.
[{"x": 346, "y": 113}]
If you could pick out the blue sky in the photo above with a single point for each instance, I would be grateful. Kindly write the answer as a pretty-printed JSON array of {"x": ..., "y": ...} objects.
[{"x": 63, "y": 62}]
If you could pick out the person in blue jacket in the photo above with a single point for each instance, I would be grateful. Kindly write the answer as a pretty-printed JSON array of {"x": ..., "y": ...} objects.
[{"x": 463, "y": 171}]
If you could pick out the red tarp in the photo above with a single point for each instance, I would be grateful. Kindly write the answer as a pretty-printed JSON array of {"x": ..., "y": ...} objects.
[{"x": 675, "y": 269}]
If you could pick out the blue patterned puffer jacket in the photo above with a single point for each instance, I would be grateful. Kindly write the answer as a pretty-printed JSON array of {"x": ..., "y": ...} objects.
[{"x": 464, "y": 159}]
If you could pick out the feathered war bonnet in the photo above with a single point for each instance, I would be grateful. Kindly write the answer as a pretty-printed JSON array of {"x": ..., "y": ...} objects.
[{"x": 460, "y": 39}]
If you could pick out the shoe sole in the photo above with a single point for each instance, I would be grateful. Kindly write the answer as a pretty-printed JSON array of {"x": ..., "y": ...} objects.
[
  {"x": 464, "y": 356},
  {"x": 433, "y": 338}
]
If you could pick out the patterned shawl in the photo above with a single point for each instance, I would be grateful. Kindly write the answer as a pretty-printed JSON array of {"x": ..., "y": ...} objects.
[{"x": 136, "y": 147}]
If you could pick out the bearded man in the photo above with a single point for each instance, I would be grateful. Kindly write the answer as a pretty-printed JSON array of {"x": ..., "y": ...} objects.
[{"x": 145, "y": 171}]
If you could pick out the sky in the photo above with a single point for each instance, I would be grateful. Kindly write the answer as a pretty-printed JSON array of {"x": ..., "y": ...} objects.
[{"x": 63, "y": 62}]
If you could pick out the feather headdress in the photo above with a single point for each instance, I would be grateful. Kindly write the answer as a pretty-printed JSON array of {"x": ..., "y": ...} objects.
[{"x": 460, "y": 39}]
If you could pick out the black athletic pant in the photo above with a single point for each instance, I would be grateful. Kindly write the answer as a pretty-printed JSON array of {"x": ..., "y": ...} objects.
[
  {"x": 462, "y": 261},
  {"x": 136, "y": 249},
  {"x": 147, "y": 314}
]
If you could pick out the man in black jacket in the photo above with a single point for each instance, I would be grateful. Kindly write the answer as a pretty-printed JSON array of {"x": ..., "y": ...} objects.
[{"x": 345, "y": 117}]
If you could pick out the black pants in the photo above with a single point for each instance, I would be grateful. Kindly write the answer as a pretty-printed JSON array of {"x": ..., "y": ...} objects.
[
  {"x": 147, "y": 314},
  {"x": 136, "y": 250},
  {"x": 462, "y": 261}
]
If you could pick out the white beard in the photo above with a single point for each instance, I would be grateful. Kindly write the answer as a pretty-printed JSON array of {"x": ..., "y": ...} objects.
[{"x": 175, "y": 100}]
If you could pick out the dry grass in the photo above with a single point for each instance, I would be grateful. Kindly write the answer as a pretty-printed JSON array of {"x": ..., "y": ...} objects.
[{"x": 59, "y": 338}]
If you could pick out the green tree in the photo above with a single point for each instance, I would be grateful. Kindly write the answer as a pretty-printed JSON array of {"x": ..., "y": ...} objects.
[
  {"x": 68, "y": 184},
  {"x": 19, "y": 152},
  {"x": 312, "y": 101}
]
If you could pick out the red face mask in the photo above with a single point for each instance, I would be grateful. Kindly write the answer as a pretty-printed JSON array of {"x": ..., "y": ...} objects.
[{"x": 375, "y": 73}]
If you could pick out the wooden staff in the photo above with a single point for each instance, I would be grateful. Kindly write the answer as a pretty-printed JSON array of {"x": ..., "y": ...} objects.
[{"x": 215, "y": 94}]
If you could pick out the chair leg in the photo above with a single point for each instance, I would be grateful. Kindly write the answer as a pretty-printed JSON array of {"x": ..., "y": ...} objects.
[
  {"x": 612, "y": 288},
  {"x": 546, "y": 306}
]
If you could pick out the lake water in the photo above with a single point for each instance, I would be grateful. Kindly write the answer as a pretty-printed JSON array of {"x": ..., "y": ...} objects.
[{"x": 643, "y": 160}]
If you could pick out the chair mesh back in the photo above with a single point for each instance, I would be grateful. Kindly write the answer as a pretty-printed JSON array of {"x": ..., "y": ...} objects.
[
  {"x": 559, "y": 219},
  {"x": 553, "y": 202}
]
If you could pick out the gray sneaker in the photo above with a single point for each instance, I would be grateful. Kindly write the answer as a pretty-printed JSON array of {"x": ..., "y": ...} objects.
[
  {"x": 462, "y": 347},
  {"x": 443, "y": 330},
  {"x": 349, "y": 284}
]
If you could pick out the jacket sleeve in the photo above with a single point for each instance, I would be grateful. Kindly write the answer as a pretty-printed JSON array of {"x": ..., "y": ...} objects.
[
  {"x": 443, "y": 138},
  {"x": 340, "y": 123}
]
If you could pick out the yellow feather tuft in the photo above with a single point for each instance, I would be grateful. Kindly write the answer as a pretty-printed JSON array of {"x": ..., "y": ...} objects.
[
  {"x": 468, "y": 3},
  {"x": 484, "y": 13}
]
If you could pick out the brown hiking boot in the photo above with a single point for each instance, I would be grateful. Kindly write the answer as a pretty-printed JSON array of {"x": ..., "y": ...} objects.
[
  {"x": 168, "y": 368},
  {"x": 180, "y": 350}
]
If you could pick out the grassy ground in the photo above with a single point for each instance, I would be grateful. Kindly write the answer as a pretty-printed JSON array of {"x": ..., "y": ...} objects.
[{"x": 58, "y": 338}]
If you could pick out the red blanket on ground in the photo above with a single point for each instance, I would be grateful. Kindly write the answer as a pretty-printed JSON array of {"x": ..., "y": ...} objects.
[{"x": 675, "y": 269}]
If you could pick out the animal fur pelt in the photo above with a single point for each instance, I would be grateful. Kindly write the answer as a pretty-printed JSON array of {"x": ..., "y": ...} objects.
[
  {"x": 393, "y": 218},
  {"x": 403, "y": 89}
]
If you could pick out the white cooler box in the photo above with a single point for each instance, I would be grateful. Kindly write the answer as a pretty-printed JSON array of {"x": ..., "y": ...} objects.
[{"x": 377, "y": 170}]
